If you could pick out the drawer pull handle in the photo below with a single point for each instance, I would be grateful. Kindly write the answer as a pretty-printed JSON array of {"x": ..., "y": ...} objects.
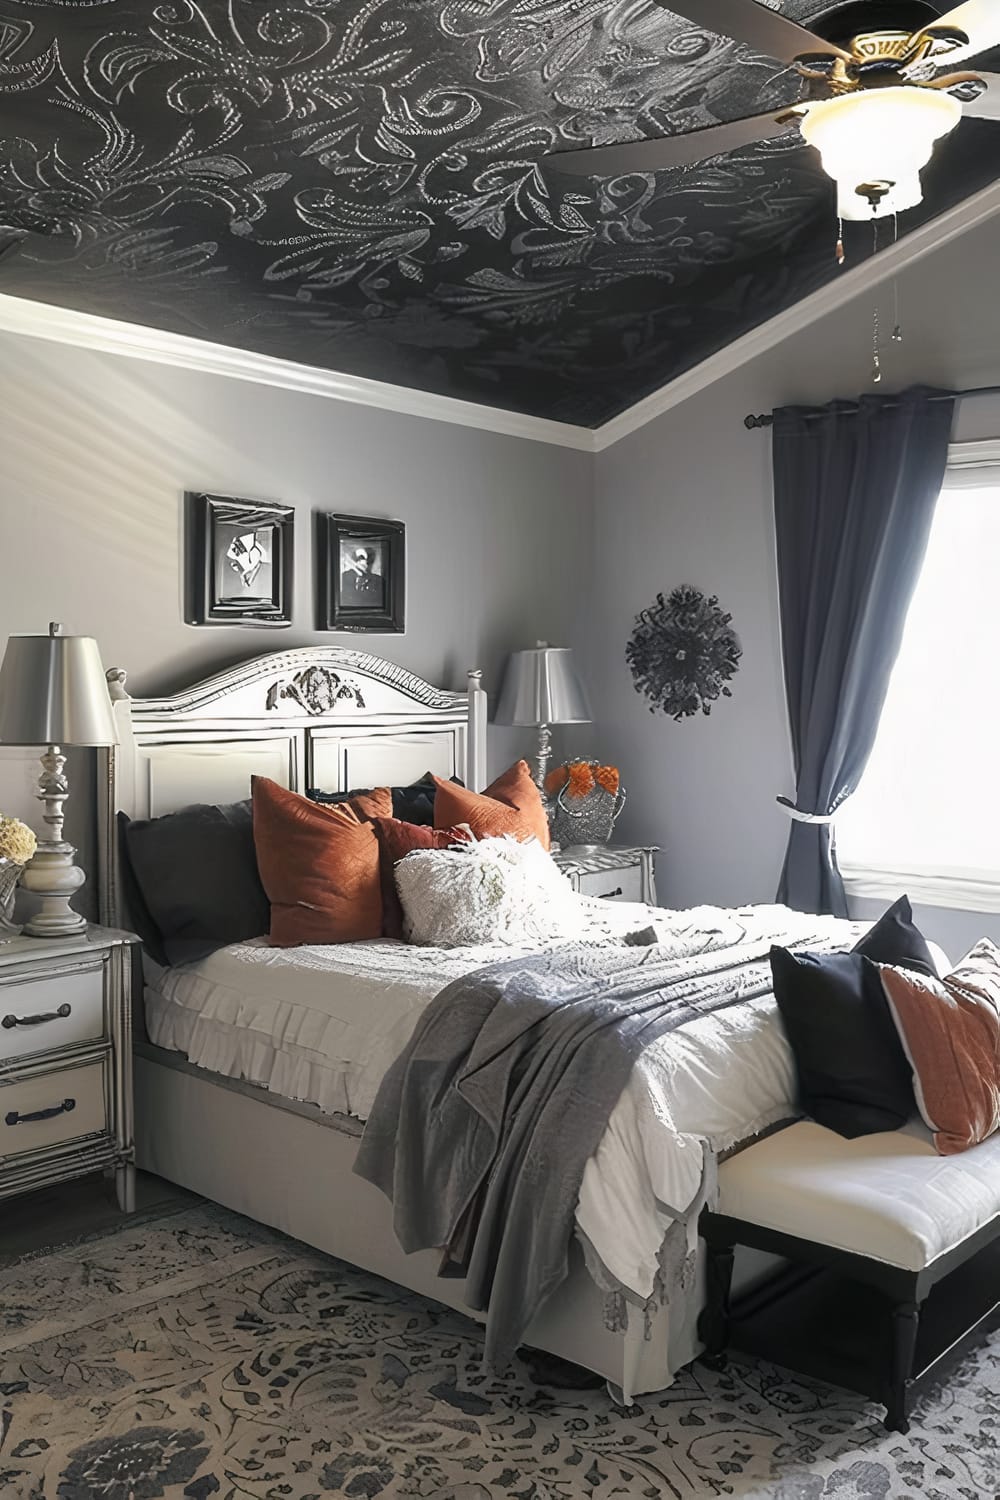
[
  {"x": 610, "y": 895},
  {"x": 41, "y": 1114},
  {"x": 53, "y": 1015}
]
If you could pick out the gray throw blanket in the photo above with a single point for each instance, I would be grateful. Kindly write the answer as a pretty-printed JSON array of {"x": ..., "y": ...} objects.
[{"x": 483, "y": 1126}]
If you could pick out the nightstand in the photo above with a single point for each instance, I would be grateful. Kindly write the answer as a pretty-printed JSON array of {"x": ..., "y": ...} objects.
[
  {"x": 614, "y": 872},
  {"x": 66, "y": 1061}
]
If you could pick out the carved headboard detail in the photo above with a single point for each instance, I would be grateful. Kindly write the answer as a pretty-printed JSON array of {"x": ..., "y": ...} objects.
[{"x": 325, "y": 716}]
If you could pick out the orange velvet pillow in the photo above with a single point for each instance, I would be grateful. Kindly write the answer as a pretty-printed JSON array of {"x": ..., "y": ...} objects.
[
  {"x": 512, "y": 804},
  {"x": 319, "y": 864},
  {"x": 396, "y": 840},
  {"x": 950, "y": 1030}
]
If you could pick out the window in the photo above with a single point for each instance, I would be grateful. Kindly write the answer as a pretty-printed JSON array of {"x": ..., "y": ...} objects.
[{"x": 927, "y": 812}]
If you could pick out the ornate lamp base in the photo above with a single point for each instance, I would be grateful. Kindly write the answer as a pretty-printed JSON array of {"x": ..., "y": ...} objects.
[
  {"x": 542, "y": 756},
  {"x": 55, "y": 879},
  {"x": 51, "y": 874}
]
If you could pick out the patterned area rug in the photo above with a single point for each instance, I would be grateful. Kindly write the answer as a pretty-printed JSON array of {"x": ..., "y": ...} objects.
[{"x": 200, "y": 1355}]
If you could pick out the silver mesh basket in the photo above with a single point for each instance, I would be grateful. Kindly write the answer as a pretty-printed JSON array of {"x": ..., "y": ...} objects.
[{"x": 586, "y": 820}]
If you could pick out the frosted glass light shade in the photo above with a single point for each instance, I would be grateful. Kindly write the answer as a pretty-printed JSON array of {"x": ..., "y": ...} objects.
[{"x": 879, "y": 136}]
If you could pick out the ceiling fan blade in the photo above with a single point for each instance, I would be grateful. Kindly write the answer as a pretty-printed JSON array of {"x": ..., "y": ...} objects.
[
  {"x": 980, "y": 20},
  {"x": 666, "y": 152},
  {"x": 987, "y": 106},
  {"x": 764, "y": 30}
]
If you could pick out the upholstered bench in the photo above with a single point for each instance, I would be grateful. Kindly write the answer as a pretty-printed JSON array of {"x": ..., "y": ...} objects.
[{"x": 872, "y": 1229}]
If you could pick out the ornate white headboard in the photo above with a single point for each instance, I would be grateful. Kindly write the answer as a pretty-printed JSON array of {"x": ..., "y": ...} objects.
[{"x": 322, "y": 716}]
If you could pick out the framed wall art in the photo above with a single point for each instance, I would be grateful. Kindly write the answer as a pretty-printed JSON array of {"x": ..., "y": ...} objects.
[
  {"x": 360, "y": 574},
  {"x": 238, "y": 561}
]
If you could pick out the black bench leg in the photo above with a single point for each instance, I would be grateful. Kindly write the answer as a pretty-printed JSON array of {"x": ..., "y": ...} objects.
[
  {"x": 713, "y": 1326},
  {"x": 905, "y": 1323}
]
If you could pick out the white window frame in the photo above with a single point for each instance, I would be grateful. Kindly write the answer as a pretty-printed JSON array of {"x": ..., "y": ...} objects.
[{"x": 970, "y": 466}]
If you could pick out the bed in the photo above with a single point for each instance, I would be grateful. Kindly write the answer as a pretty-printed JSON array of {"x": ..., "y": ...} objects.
[{"x": 256, "y": 1067}]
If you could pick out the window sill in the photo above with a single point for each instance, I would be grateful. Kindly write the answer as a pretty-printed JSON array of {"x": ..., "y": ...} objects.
[{"x": 959, "y": 892}]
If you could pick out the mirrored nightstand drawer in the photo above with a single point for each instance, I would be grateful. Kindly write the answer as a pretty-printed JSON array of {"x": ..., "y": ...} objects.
[
  {"x": 613, "y": 885},
  {"x": 53, "y": 1107},
  {"x": 609, "y": 871},
  {"x": 51, "y": 1011}
]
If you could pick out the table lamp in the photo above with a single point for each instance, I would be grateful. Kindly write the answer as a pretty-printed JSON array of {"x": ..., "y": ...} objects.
[
  {"x": 53, "y": 692},
  {"x": 541, "y": 687}
]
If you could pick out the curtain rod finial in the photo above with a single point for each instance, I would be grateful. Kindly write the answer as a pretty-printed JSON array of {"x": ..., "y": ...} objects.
[{"x": 751, "y": 421}]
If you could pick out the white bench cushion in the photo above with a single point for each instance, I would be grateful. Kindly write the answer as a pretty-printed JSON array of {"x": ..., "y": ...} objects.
[{"x": 889, "y": 1196}]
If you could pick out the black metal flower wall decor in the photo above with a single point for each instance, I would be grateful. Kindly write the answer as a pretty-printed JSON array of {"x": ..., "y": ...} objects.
[{"x": 683, "y": 652}]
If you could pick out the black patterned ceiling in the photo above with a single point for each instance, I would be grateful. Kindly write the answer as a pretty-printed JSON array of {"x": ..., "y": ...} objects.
[{"x": 353, "y": 184}]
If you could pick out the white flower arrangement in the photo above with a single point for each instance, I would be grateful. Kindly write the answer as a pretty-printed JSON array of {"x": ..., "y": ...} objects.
[{"x": 17, "y": 842}]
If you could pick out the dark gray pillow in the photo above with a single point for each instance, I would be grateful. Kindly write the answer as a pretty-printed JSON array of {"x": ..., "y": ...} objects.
[
  {"x": 895, "y": 939},
  {"x": 196, "y": 874},
  {"x": 410, "y": 804},
  {"x": 852, "y": 1073}
]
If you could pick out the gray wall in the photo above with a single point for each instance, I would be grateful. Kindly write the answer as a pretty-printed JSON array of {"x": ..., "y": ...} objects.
[
  {"x": 508, "y": 541},
  {"x": 688, "y": 500},
  {"x": 98, "y": 450}
]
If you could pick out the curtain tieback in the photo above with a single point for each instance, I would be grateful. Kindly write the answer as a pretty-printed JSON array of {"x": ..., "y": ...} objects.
[{"x": 799, "y": 815}]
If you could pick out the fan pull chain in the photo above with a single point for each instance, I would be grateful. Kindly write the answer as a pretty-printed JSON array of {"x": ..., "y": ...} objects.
[
  {"x": 876, "y": 350},
  {"x": 897, "y": 332},
  {"x": 876, "y": 343},
  {"x": 841, "y": 253}
]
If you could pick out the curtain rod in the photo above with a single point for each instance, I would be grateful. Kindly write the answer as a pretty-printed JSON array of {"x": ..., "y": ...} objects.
[{"x": 766, "y": 419}]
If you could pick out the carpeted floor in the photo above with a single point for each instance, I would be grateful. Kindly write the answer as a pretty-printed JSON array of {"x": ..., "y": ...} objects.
[{"x": 199, "y": 1355}]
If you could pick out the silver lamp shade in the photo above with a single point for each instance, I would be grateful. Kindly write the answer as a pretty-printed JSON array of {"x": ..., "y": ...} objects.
[
  {"x": 53, "y": 692},
  {"x": 541, "y": 687}
]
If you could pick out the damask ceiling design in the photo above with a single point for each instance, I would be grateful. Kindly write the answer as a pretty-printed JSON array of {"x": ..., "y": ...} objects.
[{"x": 355, "y": 184}]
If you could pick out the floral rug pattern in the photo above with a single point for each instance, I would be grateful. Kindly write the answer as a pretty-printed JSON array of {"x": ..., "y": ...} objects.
[{"x": 200, "y": 1355}]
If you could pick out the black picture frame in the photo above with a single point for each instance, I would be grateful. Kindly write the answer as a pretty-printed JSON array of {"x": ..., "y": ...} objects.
[
  {"x": 239, "y": 557},
  {"x": 360, "y": 574}
]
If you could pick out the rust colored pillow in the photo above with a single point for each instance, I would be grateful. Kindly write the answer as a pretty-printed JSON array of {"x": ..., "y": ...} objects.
[
  {"x": 396, "y": 840},
  {"x": 367, "y": 805},
  {"x": 512, "y": 804},
  {"x": 318, "y": 865},
  {"x": 950, "y": 1030}
]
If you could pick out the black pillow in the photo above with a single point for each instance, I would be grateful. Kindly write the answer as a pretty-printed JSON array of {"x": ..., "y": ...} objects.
[
  {"x": 852, "y": 1073},
  {"x": 895, "y": 940},
  {"x": 196, "y": 873},
  {"x": 139, "y": 919},
  {"x": 411, "y": 804}
]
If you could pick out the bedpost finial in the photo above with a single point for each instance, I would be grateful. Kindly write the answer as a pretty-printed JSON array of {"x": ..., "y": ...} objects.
[
  {"x": 116, "y": 679},
  {"x": 475, "y": 674}
]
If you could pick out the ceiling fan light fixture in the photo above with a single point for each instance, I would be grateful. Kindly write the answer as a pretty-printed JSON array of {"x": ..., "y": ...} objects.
[
  {"x": 879, "y": 138},
  {"x": 878, "y": 200}
]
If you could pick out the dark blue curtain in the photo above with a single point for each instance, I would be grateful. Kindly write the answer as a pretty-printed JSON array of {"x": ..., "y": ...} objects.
[{"x": 855, "y": 486}]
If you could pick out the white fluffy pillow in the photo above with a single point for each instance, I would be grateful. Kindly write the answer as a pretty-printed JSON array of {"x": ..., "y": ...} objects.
[{"x": 495, "y": 891}]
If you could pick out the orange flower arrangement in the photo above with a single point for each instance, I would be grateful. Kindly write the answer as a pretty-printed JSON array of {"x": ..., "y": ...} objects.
[
  {"x": 580, "y": 777},
  {"x": 608, "y": 778}
]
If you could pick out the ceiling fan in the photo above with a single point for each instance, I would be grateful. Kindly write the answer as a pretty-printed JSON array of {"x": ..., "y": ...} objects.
[{"x": 877, "y": 102}]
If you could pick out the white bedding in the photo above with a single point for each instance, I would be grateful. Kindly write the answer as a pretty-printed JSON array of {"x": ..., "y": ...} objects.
[{"x": 323, "y": 1024}]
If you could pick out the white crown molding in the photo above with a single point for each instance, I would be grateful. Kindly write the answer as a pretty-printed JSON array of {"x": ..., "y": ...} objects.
[
  {"x": 60, "y": 325},
  {"x": 18, "y": 315},
  {"x": 830, "y": 298}
]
